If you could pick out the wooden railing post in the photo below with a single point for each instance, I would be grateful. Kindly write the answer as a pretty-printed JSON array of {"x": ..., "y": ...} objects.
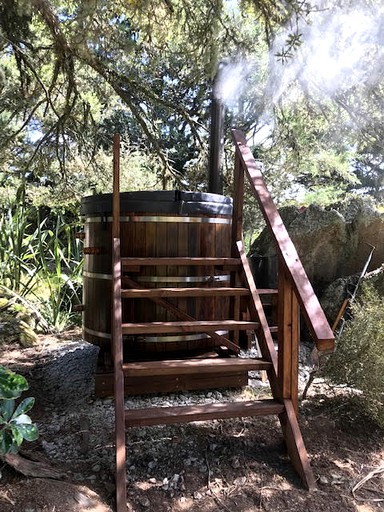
[
  {"x": 288, "y": 338},
  {"x": 238, "y": 201},
  {"x": 117, "y": 345},
  {"x": 237, "y": 235}
]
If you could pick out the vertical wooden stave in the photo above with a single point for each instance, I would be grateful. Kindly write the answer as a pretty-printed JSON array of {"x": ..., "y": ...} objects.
[{"x": 141, "y": 239}]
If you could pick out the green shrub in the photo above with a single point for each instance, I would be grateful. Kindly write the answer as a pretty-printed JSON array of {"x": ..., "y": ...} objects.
[
  {"x": 15, "y": 425},
  {"x": 41, "y": 261},
  {"x": 359, "y": 357}
]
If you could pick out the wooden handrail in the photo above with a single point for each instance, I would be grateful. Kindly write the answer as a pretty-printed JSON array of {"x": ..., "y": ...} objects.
[{"x": 309, "y": 303}]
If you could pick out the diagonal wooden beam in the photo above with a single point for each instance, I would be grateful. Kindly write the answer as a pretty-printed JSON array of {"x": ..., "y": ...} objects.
[
  {"x": 257, "y": 312},
  {"x": 295, "y": 445},
  {"x": 181, "y": 315}
]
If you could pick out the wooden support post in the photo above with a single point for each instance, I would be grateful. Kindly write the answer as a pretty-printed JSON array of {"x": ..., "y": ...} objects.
[
  {"x": 117, "y": 344},
  {"x": 288, "y": 339},
  {"x": 288, "y": 374},
  {"x": 237, "y": 234},
  {"x": 295, "y": 445},
  {"x": 238, "y": 201}
]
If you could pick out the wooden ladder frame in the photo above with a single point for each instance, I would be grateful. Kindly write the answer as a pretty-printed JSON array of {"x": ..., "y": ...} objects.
[
  {"x": 295, "y": 293},
  {"x": 117, "y": 336}
]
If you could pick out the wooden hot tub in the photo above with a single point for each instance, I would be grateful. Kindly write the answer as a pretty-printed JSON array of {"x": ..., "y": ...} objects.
[{"x": 155, "y": 224}]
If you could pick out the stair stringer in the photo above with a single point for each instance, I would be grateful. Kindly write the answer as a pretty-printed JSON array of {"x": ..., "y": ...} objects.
[{"x": 288, "y": 419}]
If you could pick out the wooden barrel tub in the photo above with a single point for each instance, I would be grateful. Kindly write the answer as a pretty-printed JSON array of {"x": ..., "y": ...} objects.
[{"x": 155, "y": 224}]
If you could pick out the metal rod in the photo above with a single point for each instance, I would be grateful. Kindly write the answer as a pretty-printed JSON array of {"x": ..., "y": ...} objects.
[{"x": 349, "y": 300}]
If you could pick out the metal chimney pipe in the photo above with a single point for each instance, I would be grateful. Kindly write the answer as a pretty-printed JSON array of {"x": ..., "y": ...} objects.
[{"x": 216, "y": 140}]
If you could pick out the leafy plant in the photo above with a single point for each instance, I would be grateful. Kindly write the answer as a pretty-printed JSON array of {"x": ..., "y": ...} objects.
[
  {"x": 18, "y": 245},
  {"x": 292, "y": 43},
  {"x": 359, "y": 358},
  {"x": 60, "y": 273},
  {"x": 40, "y": 262},
  {"x": 15, "y": 425}
]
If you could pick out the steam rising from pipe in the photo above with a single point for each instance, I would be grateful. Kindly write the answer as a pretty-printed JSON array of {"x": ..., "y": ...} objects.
[
  {"x": 342, "y": 46},
  {"x": 227, "y": 86},
  {"x": 230, "y": 81}
]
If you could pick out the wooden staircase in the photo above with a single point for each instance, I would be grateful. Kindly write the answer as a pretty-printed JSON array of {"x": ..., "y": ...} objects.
[{"x": 247, "y": 316}]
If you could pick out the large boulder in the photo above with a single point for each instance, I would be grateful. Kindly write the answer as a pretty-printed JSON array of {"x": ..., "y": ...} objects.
[{"x": 332, "y": 242}]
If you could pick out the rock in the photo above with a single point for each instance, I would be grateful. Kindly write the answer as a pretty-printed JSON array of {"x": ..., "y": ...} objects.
[
  {"x": 333, "y": 296},
  {"x": 342, "y": 288},
  {"x": 144, "y": 501},
  {"x": 235, "y": 463},
  {"x": 241, "y": 480},
  {"x": 197, "y": 495},
  {"x": 48, "y": 447},
  {"x": 337, "y": 478},
  {"x": 175, "y": 478},
  {"x": 331, "y": 242},
  {"x": 58, "y": 374},
  {"x": 17, "y": 320}
]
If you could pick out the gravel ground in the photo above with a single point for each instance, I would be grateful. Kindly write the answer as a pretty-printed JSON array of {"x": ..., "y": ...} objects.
[{"x": 228, "y": 465}]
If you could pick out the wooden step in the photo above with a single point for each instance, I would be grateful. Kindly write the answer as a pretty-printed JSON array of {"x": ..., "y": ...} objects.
[
  {"x": 126, "y": 263},
  {"x": 183, "y": 292},
  {"x": 196, "y": 326},
  {"x": 188, "y": 413},
  {"x": 267, "y": 291},
  {"x": 189, "y": 366}
]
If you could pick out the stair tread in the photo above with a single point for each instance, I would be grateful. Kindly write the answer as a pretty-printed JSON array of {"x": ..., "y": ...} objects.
[
  {"x": 190, "y": 366},
  {"x": 183, "y": 292},
  {"x": 267, "y": 291},
  {"x": 201, "y": 412},
  {"x": 188, "y": 326}
]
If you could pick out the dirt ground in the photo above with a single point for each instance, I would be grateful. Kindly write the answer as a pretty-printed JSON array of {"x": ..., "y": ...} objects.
[{"x": 228, "y": 465}]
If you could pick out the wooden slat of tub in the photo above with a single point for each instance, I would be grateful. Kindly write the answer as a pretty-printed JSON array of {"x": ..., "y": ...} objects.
[
  {"x": 184, "y": 292},
  {"x": 180, "y": 261}
]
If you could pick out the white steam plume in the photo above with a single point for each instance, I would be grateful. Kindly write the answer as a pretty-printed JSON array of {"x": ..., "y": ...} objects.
[{"x": 230, "y": 81}]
